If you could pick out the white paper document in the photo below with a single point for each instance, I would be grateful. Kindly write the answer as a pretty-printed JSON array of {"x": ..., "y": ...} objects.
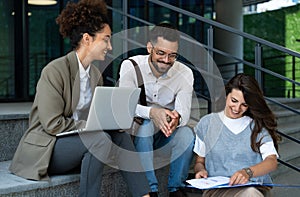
[
  {"x": 216, "y": 182},
  {"x": 209, "y": 182}
]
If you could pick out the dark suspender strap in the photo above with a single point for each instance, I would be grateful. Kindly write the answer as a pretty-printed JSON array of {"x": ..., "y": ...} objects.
[
  {"x": 140, "y": 82},
  {"x": 143, "y": 101}
]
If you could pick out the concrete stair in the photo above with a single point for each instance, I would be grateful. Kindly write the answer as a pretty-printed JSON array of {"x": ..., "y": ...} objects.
[
  {"x": 288, "y": 123},
  {"x": 198, "y": 110}
]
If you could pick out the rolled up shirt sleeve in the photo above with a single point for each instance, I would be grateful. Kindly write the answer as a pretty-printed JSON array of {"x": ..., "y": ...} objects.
[{"x": 268, "y": 149}]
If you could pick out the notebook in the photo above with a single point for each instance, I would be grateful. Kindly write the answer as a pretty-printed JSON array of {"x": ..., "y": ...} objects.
[{"x": 112, "y": 108}]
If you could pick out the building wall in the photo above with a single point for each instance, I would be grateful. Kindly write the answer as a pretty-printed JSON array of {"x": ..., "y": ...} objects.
[{"x": 280, "y": 27}]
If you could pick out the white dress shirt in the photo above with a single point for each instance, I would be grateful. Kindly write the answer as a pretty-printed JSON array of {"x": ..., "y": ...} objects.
[
  {"x": 85, "y": 91},
  {"x": 172, "y": 90}
]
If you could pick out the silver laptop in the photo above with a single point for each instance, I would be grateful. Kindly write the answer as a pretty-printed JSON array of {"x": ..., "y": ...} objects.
[{"x": 112, "y": 108}]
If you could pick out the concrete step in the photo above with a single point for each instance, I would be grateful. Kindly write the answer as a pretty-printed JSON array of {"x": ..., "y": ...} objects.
[
  {"x": 12, "y": 185},
  {"x": 13, "y": 124},
  {"x": 113, "y": 184},
  {"x": 289, "y": 128},
  {"x": 11, "y": 132},
  {"x": 291, "y": 102},
  {"x": 63, "y": 185},
  {"x": 198, "y": 110},
  {"x": 284, "y": 117},
  {"x": 286, "y": 176},
  {"x": 289, "y": 151}
]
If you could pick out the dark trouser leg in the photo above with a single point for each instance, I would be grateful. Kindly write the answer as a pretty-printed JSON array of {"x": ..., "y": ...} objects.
[
  {"x": 68, "y": 154},
  {"x": 91, "y": 176},
  {"x": 129, "y": 163}
]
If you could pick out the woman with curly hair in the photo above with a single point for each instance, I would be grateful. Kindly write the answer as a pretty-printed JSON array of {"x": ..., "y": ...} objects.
[
  {"x": 239, "y": 142},
  {"x": 63, "y": 96}
]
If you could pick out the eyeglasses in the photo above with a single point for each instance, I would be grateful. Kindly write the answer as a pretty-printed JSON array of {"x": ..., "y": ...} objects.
[{"x": 171, "y": 56}]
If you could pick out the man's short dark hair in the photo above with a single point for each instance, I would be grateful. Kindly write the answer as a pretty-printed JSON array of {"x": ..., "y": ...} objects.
[{"x": 166, "y": 31}]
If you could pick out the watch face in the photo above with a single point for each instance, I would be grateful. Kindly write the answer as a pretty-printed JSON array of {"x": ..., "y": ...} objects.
[{"x": 249, "y": 172}]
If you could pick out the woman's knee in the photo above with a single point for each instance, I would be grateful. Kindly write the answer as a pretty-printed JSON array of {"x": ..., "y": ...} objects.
[{"x": 250, "y": 192}]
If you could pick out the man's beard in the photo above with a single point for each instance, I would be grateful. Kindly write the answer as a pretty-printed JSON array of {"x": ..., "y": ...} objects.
[{"x": 159, "y": 70}]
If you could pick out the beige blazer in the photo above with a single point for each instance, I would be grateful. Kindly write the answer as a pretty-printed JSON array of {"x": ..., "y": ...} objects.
[{"x": 57, "y": 95}]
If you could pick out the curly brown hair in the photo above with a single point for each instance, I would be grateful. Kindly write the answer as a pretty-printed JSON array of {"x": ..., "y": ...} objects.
[
  {"x": 86, "y": 16},
  {"x": 258, "y": 109}
]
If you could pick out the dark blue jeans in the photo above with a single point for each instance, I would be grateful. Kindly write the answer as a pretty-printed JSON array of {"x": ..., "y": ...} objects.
[{"x": 156, "y": 151}]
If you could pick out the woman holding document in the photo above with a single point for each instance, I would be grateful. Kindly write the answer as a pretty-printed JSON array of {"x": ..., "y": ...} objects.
[{"x": 239, "y": 142}]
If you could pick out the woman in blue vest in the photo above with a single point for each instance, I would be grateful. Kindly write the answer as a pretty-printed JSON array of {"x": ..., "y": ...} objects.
[{"x": 239, "y": 142}]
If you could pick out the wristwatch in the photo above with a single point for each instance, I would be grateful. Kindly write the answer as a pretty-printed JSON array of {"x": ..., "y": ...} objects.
[{"x": 249, "y": 172}]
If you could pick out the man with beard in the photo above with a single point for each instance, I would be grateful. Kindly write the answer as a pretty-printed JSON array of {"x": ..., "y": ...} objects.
[{"x": 164, "y": 137}]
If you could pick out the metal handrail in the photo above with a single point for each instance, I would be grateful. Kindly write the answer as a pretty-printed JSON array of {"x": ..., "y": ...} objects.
[
  {"x": 289, "y": 165},
  {"x": 227, "y": 28},
  {"x": 256, "y": 67},
  {"x": 283, "y": 105},
  {"x": 5, "y": 83},
  {"x": 129, "y": 16}
]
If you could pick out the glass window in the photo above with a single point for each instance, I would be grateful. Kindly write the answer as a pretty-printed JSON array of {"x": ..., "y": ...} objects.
[
  {"x": 7, "y": 71},
  {"x": 30, "y": 37},
  {"x": 44, "y": 40}
]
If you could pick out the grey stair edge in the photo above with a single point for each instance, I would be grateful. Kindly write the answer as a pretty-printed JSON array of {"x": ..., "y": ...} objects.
[
  {"x": 285, "y": 101},
  {"x": 13, "y": 116},
  {"x": 289, "y": 151},
  {"x": 285, "y": 113},
  {"x": 13, "y": 111},
  {"x": 283, "y": 169},
  {"x": 289, "y": 128},
  {"x": 11, "y": 183},
  {"x": 15, "y": 108}
]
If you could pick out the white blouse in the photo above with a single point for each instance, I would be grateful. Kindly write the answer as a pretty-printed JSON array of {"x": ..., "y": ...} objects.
[{"x": 85, "y": 90}]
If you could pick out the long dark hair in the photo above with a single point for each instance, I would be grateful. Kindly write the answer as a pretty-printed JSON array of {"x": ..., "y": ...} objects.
[{"x": 258, "y": 109}]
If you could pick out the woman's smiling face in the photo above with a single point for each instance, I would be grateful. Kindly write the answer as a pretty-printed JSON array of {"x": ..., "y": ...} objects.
[
  {"x": 235, "y": 104},
  {"x": 101, "y": 44}
]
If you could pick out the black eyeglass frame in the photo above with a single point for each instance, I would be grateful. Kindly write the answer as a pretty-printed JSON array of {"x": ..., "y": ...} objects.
[{"x": 171, "y": 56}]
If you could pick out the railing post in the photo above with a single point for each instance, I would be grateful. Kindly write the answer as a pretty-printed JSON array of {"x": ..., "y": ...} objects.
[
  {"x": 210, "y": 40},
  {"x": 210, "y": 66},
  {"x": 21, "y": 52},
  {"x": 294, "y": 77},
  {"x": 258, "y": 62},
  {"x": 125, "y": 28}
]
